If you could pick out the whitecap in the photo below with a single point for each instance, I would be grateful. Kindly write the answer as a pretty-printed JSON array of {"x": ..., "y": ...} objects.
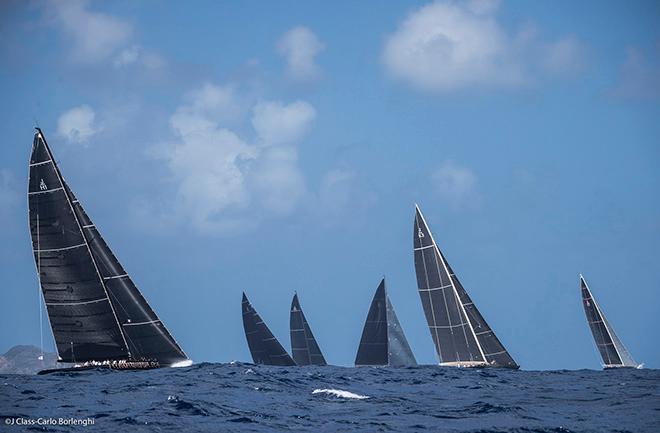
[{"x": 340, "y": 393}]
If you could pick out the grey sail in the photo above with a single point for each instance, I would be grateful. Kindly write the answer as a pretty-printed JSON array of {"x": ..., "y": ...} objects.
[
  {"x": 610, "y": 347},
  {"x": 383, "y": 342},
  {"x": 398, "y": 350},
  {"x": 95, "y": 310},
  {"x": 304, "y": 348},
  {"x": 264, "y": 347},
  {"x": 460, "y": 334}
]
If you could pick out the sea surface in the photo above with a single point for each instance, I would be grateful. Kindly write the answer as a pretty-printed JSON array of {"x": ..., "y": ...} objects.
[{"x": 247, "y": 398}]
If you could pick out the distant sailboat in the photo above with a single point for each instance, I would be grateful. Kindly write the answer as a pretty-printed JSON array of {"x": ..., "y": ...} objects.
[
  {"x": 461, "y": 335},
  {"x": 97, "y": 314},
  {"x": 383, "y": 342},
  {"x": 264, "y": 347},
  {"x": 304, "y": 348},
  {"x": 612, "y": 350}
]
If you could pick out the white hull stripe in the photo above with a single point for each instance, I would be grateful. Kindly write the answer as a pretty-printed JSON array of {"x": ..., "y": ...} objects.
[
  {"x": 53, "y": 250},
  {"x": 76, "y": 303},
  {"x": 141, "y": 323},
  {"x": 45, "y": 191}
]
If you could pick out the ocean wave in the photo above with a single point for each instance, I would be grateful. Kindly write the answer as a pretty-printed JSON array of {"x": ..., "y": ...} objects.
[{"x": 340, "y": 393}]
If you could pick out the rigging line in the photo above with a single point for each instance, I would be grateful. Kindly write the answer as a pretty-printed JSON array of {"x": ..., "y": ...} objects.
[{"x": 41, "y": 316}]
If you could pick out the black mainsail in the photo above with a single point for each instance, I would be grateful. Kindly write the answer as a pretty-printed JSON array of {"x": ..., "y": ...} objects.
[
  {"x": 460, "y": 334},
  {"x": 383, "y": 342},
  {"x": 304, "y": 348},
  {"x": 96, "y": 312},
  {"x": 264, "y": 347},
  {"x": 612, "y": 350}
]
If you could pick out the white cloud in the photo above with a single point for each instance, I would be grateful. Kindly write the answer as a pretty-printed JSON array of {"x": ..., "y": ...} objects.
[
  {"x": 77, "y": 125},
  {"x": 457, "y": 185},
  {"x": 9, "y": 198},
  {"x": 221, "y": 178},
  {"x": 640, "y": 76},
  {"x": 136, "y": 55},
  {"x": 300, "y": 46},
  {"x": 342, "y": 195},
  {"x": 447, "y": 45},
  {"x": 565, "y": 56},
  {"x": 94, "y": 36},
  {"x": 276, "y": 123}
]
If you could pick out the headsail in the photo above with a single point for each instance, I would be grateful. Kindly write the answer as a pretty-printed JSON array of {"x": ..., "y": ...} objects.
[
  {"x": 383, "y": 342},
  {"x": 304, "y": 348},
  {"x": 611, "y": 349},
  {"x": 460, "y": 334},
  {"x": 264, "y": 347},
  {"x": 95, "y": 310}
]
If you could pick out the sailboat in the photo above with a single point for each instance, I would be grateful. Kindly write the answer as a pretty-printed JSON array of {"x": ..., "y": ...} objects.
[
  {"x": 612, "y": 350},
  {"x": 461, "y": 336},
  {"x": 264, "y": 347},
  {"x": 304, "y": 348},
  {"x": 98, "y": 316},
  {"x": 383, "y": 342}
]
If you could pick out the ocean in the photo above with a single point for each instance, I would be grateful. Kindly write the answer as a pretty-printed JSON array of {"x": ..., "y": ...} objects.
[{"x": 240, "y": 397}]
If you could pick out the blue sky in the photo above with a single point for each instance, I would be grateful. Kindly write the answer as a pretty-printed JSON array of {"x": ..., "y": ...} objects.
[{"x": 272, "y": 147}]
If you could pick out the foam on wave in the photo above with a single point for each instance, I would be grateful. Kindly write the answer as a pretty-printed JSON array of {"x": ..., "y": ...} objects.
[{"x": 340, "y": 393}]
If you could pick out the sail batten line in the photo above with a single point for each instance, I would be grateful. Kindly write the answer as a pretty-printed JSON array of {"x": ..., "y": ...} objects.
[
  {"x": 141, "y": 323},
  {"x": 54, "y": 250},
  {"x": 76, "y": 303},
  {"x": 35, "y": 164},
  {"x": 114, "y": 277},
  {"x": 46, "y": 191}
]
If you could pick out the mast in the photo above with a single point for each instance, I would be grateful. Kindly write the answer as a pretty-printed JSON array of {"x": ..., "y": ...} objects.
[
  {"x": 264, "y": 347},
  {"x": 83, "y": 320},
  {"x": 461, "y": 335},
  {"x": 75, "y": 270},
  {"x": 612, "y": 350},
  {"x": 383, "y": 342},
  {"x": 304, "y": 348}
]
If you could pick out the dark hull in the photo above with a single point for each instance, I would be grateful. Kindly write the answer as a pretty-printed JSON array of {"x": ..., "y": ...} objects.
[{"x": 127, "y": 365}]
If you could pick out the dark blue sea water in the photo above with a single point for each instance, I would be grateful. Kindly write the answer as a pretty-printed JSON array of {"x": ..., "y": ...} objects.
[{"x": 247, "y": 398}]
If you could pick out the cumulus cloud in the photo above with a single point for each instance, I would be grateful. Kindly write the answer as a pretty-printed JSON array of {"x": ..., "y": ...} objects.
[
  {"x": 78, "y": 124},
  {"x": 276, "y": 123},
  {"x": 94, "y": 36},
  {"x": 9, "y": 197},
  {"x": 300, "y": 46},
  {"x": 640, "y": 76},
  {"x": 457, "y": 185},
  {"x": 220, "y": 175},
  {"x": 448, "y": 45}
]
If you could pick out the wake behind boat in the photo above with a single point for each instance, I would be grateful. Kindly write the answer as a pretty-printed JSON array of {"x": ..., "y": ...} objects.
[
  {"x": 611, "y": 349},
  {"x": 461, "y": 336},
  {"x": 98, "y": 316}
]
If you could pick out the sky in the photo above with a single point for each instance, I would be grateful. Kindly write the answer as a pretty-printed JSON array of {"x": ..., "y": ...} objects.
[{"x": 273, "y": 147}]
